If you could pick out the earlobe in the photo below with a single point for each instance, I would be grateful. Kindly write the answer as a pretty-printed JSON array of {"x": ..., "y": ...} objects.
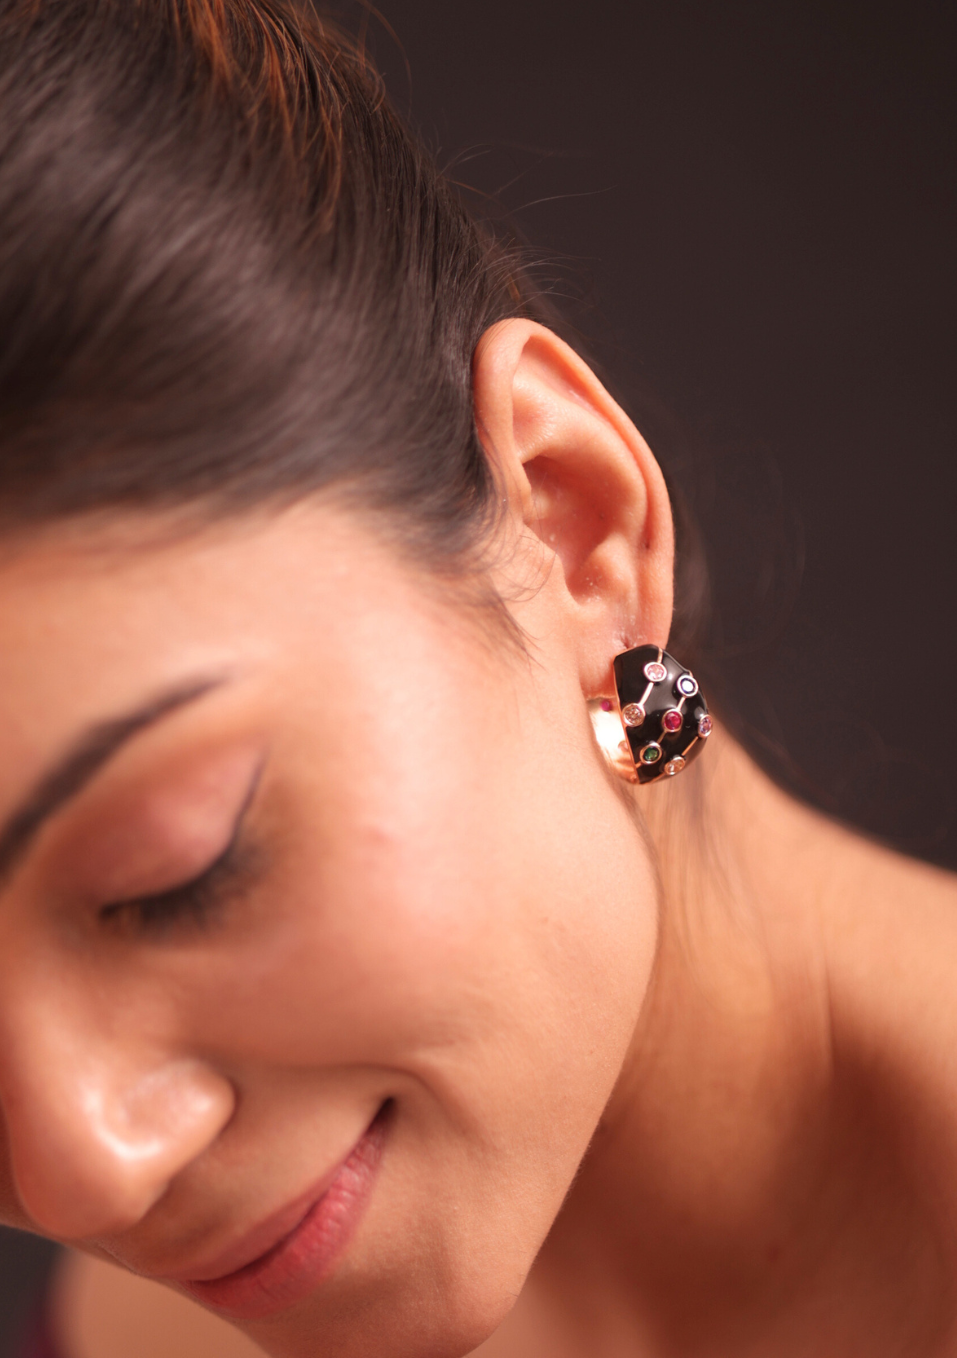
[{"x": 585, "y": 485}]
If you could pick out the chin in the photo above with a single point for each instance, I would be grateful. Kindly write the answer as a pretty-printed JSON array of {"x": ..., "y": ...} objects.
[{"x": 420, "y": 1317}]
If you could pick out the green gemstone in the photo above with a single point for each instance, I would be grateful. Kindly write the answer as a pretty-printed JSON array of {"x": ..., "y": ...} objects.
[{"x": 651, "y": 754}]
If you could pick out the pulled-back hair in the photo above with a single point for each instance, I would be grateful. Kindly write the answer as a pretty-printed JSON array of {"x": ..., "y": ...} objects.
[{"x": 229, "y": 274}]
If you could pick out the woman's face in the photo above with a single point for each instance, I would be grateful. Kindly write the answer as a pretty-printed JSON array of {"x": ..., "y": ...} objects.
[{"x": 411, "y": 964}]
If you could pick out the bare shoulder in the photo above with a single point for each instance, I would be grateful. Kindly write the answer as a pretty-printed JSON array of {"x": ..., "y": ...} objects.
[
  {"x": 892, "y": 913},
  {"x": 891, "y": 941}
]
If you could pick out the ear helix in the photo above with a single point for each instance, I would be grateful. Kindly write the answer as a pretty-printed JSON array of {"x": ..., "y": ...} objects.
[{"x": 663, "y": 712}]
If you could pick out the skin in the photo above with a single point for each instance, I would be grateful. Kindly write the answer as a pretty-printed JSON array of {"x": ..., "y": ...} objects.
[{"x": 672, "y": 1066}]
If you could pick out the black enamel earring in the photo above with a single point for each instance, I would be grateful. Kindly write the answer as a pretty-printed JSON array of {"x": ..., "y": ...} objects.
[{"x": 663, "y": 712}]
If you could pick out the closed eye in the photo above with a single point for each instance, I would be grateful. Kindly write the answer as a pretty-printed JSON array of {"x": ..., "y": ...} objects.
[{"x": 195, "y": 902}]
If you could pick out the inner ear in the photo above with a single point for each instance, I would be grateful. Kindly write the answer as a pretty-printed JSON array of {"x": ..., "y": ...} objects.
[
  {"x": 578, "y": 511},
  {"x": 588, "y": 500},
  {"x": 579, "y": 477}
]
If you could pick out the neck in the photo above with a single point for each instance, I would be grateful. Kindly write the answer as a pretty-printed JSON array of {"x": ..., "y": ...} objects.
[{"x": 747, "y": 1187}]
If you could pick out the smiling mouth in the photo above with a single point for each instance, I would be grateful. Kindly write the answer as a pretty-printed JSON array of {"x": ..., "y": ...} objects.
[{"x": 303, "y": 1255}]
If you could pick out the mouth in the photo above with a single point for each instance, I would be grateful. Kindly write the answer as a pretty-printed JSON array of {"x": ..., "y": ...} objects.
[{"x": 305, "y": 1240}]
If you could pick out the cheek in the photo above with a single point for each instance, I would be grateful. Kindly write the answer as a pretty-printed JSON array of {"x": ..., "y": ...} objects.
[
  {"x": 453, "y": 888},
  {"x": 480, "y": 934},
  {"x": 495, "y": 921},
  {"x": 478, "y": 944},
  {"x": 500, "y": 977},
  {"x": 474, "y": 892}
]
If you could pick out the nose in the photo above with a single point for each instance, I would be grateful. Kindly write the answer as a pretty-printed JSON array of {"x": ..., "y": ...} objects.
[{"x": 97, "y": 1131}]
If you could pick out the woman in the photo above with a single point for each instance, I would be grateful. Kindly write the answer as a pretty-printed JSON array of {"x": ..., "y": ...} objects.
[{"x": 348, "y": 988}]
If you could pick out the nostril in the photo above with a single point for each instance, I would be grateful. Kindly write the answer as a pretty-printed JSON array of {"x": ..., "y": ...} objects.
[
  {"x": 94, "y": 1163},
  {"x": 81, "y": 1211}
]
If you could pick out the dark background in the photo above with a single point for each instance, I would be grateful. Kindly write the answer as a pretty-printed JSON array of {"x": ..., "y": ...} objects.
[{"x": 748, "y": 212}]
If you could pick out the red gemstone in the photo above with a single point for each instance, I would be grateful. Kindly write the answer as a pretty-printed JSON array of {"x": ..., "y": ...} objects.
[{"x": 673, "y": 720}]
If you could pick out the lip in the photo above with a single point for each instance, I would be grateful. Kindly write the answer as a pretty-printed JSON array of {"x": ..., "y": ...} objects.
[{"x": 282, "y": 1259}]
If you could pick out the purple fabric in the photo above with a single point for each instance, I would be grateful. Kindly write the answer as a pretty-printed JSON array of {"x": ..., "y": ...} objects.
[{"x": 38, "y": 1342}]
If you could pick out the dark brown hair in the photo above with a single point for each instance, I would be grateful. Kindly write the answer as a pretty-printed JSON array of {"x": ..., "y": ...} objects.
[{"x": 229, "y": 274}]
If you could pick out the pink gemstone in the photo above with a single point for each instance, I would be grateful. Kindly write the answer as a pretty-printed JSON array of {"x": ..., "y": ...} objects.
[
  {"x": 655, "y": 672},
  {"x": 633, "y": 714},
  {"x": 673, "y": 720},
  {"x": 606, "y": 704},
  {"x": 705, "y": 726}
]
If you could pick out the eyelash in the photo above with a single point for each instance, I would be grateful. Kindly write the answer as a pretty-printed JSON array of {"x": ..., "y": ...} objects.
[{"x": 192, "y": 902}]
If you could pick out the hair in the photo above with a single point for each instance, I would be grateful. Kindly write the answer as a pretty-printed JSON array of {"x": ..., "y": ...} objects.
[{"x": 231, "y": 276}]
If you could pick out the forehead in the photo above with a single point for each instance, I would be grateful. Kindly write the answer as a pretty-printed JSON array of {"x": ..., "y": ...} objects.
[
  {"x": 92, "y": 620},
  {"x": 134, "y": 584}
]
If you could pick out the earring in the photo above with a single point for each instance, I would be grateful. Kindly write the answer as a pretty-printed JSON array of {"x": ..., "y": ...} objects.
[{"x": 663, "y": 712}]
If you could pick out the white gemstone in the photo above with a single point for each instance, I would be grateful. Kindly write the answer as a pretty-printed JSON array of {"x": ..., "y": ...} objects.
[
  {"x": 674, "y": 766},
  {"x": 633, "y": 714},
  {"x": 655, "y": 672},
  {"x": 687, "y": 685}
]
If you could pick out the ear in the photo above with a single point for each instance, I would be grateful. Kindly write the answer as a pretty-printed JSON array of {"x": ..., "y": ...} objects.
[{"x": 582, "y": 481}]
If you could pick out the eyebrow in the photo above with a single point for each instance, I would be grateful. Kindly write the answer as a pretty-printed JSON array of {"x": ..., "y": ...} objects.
[{"x": 83, "y": 761}]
